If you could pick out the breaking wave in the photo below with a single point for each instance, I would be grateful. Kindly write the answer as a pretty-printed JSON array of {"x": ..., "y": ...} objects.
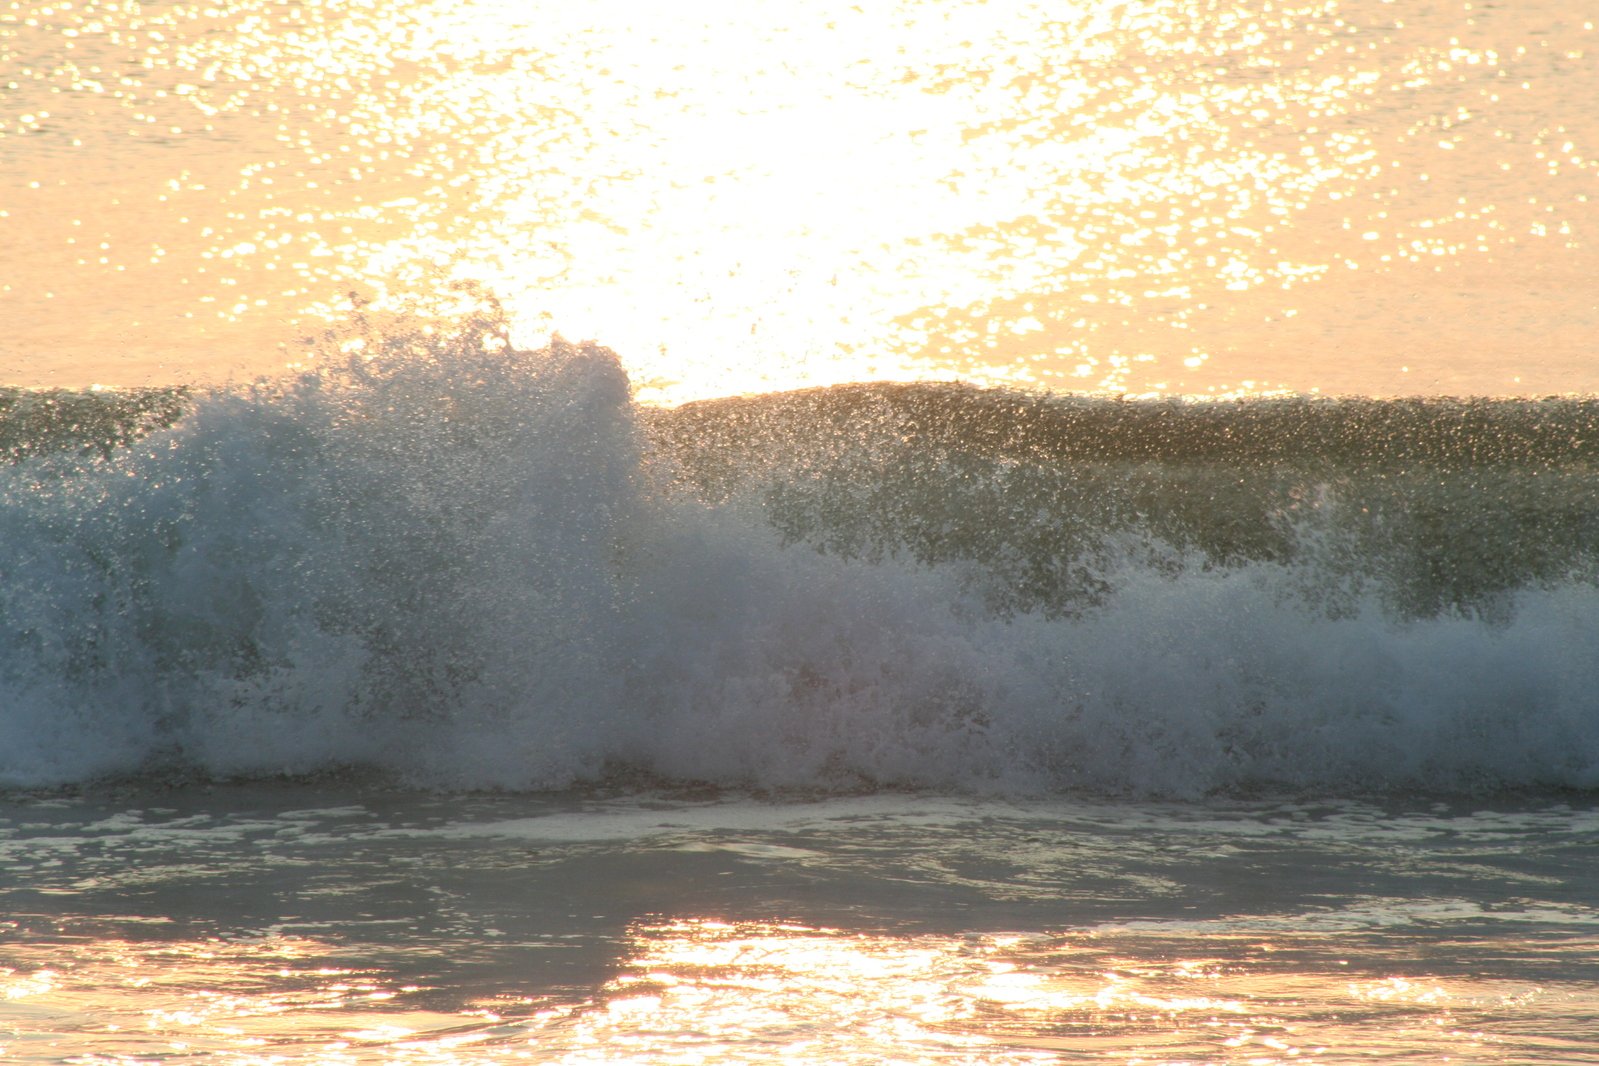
[{"x": 466, "y": 566}]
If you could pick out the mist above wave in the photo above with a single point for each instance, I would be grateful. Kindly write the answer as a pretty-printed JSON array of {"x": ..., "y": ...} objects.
[{"x": 470, "y": 566}]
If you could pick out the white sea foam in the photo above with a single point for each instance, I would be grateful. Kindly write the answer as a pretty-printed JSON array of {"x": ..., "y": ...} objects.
[{"x": 464, "y": 571}]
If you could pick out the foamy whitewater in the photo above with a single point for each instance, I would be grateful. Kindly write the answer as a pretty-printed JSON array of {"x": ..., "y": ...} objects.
[
  {"x": 464, "y": 566},
  {"x": 1087, "y": 550}
]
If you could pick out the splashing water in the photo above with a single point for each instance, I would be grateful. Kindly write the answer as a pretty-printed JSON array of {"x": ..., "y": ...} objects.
[{"x": 469, "y": 565}]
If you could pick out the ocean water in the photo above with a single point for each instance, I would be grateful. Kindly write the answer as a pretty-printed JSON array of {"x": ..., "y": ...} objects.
[
  {"x": 1346, "y": 196},
  {"x": 336, "y": 924},
  {"x": 446, "y": 705},
  {"x": 1077, "y": 538},
  {"x": 465, "y": 566}
]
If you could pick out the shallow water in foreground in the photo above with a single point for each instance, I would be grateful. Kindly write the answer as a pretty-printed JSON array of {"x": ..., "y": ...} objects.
[{"x": 329, "y": 923}]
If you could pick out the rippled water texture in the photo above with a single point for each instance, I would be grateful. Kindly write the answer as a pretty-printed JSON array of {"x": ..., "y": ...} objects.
[
  {"x": 304, "y": 925},
  {"x": 1351, "y": 196}
]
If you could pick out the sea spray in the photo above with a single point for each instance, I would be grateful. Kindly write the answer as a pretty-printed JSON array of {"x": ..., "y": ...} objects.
[
  {"x": 367, "y": 563},
  {"x": 463, "y": 565}
]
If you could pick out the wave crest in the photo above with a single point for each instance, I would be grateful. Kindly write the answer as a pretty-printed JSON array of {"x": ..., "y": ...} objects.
[{"x": 469, "y": 566}]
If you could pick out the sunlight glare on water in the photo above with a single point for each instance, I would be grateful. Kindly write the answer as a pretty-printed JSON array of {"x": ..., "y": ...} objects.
[
  {"x": 1315, "y": 195},
  {"x": 245, "y": 927},
  {"x": 706, "y": 990}
]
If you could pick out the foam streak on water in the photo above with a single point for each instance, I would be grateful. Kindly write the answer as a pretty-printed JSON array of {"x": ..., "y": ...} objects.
[{"x": 474, "y": 567}]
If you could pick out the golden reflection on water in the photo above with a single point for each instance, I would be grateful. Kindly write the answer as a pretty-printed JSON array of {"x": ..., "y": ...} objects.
[
  {"x": 114, "y": 999},
  {"x": 1350, "y": 196},
  {"x": 703, "y": 990},
  {"x": 938, "y": 998}
]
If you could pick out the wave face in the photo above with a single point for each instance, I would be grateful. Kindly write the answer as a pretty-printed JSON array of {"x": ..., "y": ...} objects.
[{"x": 463, "y": 566}]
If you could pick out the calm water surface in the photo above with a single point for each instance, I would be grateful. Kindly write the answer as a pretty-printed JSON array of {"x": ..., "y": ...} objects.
[{"x": 1335, "y": 195}]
